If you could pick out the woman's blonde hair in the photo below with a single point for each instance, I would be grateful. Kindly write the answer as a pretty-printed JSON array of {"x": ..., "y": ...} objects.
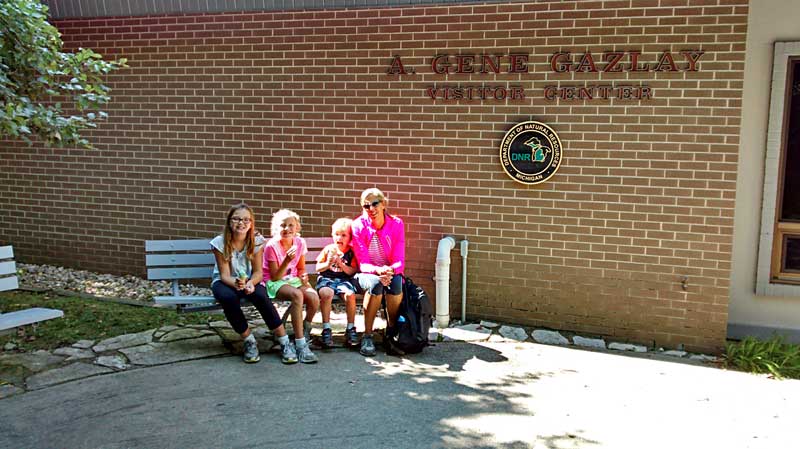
[
  {"x": 279, "y": 217},
  {"x": 374, "y": 191},
  {"x": 249, "y": 241}
]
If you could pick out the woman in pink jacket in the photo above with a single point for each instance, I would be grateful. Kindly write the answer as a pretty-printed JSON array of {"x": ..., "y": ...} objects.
[{"x": 379, "y": 242}]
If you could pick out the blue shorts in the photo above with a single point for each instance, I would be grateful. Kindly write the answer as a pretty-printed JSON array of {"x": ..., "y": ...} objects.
[
  {"x": 371, "y": 283},
  {"x": 339, "y": 286}
]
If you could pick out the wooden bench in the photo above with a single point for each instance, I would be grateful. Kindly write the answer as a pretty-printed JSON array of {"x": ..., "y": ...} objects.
[
  {"x": 9, "y": 281},
  {"x": 178, "y": 260}
]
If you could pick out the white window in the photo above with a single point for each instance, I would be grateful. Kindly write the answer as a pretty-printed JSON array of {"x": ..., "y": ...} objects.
[{"x": 779, "y": 250}]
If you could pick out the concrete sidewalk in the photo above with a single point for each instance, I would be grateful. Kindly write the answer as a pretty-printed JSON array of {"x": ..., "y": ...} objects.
[{"x": 454, "y": 395}]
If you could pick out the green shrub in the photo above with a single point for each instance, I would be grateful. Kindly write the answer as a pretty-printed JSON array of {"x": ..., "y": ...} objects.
[{"x": 773, "y": 356}]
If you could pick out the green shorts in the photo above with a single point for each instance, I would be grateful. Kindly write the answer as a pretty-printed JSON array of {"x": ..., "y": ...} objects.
[{"x": 274, "y": 286}]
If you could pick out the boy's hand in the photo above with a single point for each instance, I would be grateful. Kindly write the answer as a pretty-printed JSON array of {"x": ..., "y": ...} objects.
[{"x": 249, "y": 288}]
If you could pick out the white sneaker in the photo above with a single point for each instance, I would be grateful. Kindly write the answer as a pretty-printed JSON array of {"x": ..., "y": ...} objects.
[
  {"x": 288, "y": 354},
  {"x": 251, "y": 352},
  {"x": 304, "y": 355}
]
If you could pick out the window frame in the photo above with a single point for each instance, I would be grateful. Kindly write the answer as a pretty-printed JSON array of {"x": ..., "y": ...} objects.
[{"x": 771, "y": 278}]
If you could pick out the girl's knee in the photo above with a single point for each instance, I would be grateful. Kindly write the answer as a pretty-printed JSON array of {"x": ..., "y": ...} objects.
[{"x": 296, "y": 296}]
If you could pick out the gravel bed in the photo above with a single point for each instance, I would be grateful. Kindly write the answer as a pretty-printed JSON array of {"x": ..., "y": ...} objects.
[{"x": 103, "y": 285}]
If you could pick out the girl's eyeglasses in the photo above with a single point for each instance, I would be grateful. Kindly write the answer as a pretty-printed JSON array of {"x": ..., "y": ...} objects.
[
  {"x": 240, "y": 220},
  {"x": 372, "y": 204}
]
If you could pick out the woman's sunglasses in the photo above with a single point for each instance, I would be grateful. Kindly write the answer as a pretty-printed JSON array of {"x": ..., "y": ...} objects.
[{"x": 372, "y": 204}]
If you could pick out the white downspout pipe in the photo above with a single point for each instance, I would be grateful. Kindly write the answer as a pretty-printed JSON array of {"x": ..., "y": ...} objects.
[
  {"x": 464, "y": 251},
  {"x": 442, "y": 279}
]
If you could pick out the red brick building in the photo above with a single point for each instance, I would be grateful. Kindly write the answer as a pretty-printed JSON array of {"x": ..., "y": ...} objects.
[{"x": 632, "y": 238}]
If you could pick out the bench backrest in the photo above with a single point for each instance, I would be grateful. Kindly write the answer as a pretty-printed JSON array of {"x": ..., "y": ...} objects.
[
  {"x": 193, "y": 259},
  {"x": 8, "y": 269}
]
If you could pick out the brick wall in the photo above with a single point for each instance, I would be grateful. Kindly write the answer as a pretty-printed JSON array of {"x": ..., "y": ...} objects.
[{"x": 295, "y": 109}]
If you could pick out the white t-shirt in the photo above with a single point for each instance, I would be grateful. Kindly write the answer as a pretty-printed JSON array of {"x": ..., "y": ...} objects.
[{"x": 239, "y": 261}]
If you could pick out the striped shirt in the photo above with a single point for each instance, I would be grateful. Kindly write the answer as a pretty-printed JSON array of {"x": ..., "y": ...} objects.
[{"x": 376, "y": 253}]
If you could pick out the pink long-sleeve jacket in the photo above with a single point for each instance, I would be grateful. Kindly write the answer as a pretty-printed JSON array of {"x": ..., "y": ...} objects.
[{"x": 392, "y": 235}]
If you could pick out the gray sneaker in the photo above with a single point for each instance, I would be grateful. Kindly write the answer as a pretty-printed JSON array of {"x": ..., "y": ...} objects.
[
  {"x": 351, "y": 337},
  {"x": 327, "y": 338},
  {"x": 288, "y": 354},
  {"x": 367, "y": 346},
  {"x": 251, "y": 352},
  {"x": 304, "y": 354}
]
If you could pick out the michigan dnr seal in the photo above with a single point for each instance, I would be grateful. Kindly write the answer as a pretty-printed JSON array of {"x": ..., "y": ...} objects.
[{"x": 530, "y": 152}]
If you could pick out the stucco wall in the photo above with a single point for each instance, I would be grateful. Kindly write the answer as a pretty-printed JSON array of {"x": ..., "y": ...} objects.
[{"x": 768, "y": 22}]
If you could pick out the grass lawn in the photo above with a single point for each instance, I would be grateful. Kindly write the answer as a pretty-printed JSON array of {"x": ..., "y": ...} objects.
[{"x": 86, "y": 319}]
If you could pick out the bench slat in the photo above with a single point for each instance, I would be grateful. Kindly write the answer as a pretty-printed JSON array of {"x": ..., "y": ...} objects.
[
  {"x": 6, "y": 252},
  {"x": 170, "y": 260},
  {"x": 318, "y": 242},
  {"x": 8, "y": 267},
  {"x": 179, "y": 273},
  {"x": 177, "y": 245},
  {"x": 9, "y": 283},
  {"x": 28, "y": 316},
  {"x": 177, "y": 300}
]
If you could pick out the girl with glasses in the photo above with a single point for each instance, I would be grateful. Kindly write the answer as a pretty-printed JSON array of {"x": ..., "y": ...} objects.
[
  {"x": 380, "y": 247},
  {"x": 238, "y": 274}
]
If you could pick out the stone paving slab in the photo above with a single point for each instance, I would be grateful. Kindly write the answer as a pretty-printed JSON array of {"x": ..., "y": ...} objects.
[
  {"x": 124, "y": 341},
  {"x": 9, "y": 390},
  {"x": 73, "y": 354},
  {"x": 160, "y": 353},
  {"x": 73, "y": 371}
]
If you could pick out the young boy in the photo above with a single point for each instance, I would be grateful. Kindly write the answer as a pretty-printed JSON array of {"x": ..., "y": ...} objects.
[{"x": 336, "y": 265}]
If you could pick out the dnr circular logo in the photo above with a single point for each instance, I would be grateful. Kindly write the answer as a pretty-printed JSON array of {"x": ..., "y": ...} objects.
[{"x": 530, "y": 152}]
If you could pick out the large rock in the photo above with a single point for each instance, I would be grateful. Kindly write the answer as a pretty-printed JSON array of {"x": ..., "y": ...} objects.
[
  {"x": 549, "y": 337},
  {"x": 468, "y": 332},
  {"x": 513, "y": 333},
  {"x": 124, "y": 341},
  {"x": 596, "y": 343},
  {"x": 60, "y": 375},
  {"x": 627, "y": 347},
  {"x": 160, "y": 353}
]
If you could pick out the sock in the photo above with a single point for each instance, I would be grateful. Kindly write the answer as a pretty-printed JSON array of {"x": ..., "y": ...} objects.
[
  {"x": 284, "y": 340},
  {"x": 300, "y": 342},
  {"x": 326, "y": 325},
  {"x": 351, "y": 325},
  {"x": 250, "y": 338}
]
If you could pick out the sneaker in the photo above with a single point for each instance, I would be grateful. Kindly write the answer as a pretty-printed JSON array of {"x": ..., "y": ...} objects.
[
  {"x": 288, "y": 354},
  {"x": 367, "y": 346},
  {"x": 327, "y": 338},
  {"x": 351, "y": 337},
  {"x": 304, "y": 355},
  {"x": 251, "y": 352}
]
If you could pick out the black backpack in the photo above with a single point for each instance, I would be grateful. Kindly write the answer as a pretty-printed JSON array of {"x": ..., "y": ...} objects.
[{"x": 410, "y": 333}]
